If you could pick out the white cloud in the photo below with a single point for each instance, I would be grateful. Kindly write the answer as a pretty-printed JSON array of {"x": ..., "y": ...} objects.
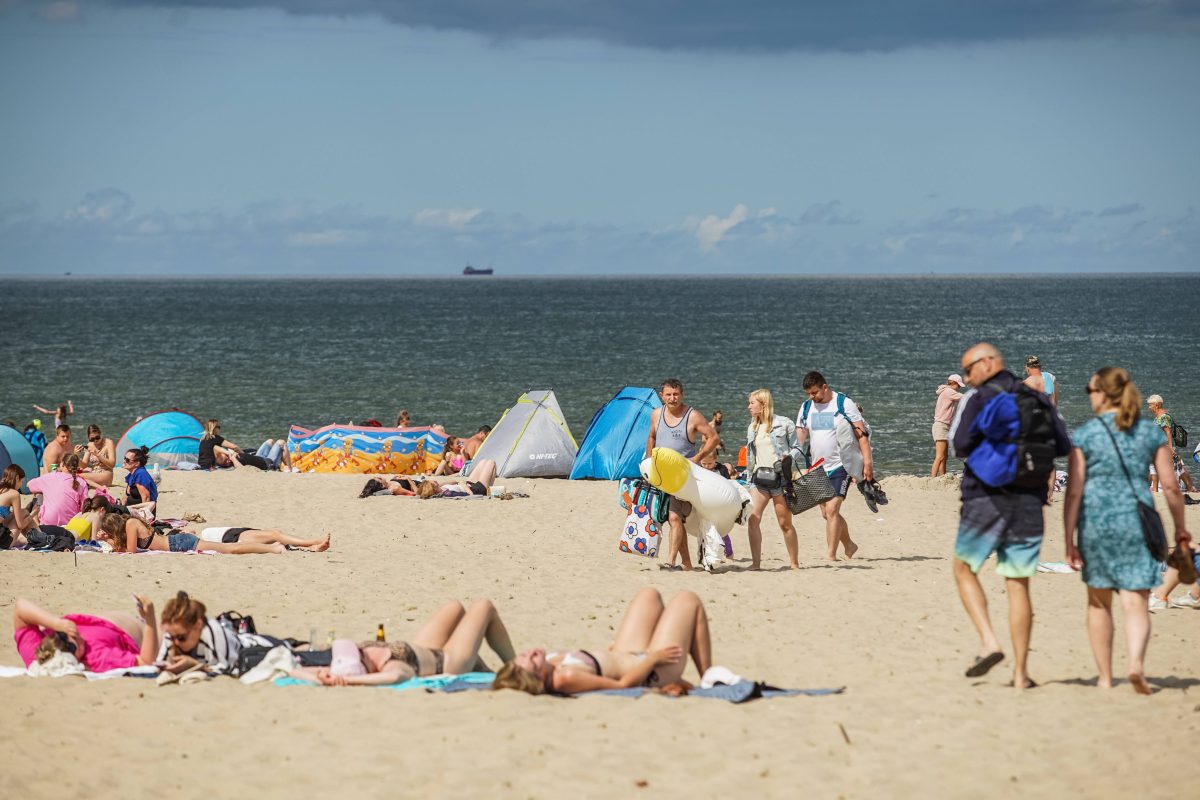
[
  {"x": 710, "y": 230},
  {"x": 447, "y": 217},
  {"x": 326, "y": 238},
  {"x": 106, "y": 205}
]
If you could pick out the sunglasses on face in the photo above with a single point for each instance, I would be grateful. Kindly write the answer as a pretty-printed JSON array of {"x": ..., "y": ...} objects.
[
  {"x": 94, "y": 439},
  {"x": 1089, "y": 390}
]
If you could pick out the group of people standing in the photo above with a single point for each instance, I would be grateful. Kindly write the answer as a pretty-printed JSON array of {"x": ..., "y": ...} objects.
[{"x": 774, "y": 442}]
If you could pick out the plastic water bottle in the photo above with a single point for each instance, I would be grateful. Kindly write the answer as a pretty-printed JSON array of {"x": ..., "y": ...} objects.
[{"x": 156, "y": 473}]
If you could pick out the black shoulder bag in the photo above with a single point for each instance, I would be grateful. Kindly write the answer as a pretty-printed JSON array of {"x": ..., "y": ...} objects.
[{"x": 1152, "y": 527}]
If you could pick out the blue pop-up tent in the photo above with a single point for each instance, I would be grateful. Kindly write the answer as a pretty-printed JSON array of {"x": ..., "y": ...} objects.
[
  {"x": 615, "y": 442},
  {"x": 16, "y": 449},
  {"x": 172, "y": 436}
]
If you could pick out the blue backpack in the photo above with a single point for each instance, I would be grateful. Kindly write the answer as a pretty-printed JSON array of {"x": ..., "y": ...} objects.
[{"x": 1018, "y": 440}]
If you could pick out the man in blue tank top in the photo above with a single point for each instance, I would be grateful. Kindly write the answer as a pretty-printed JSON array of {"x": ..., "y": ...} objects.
[{"x": 677, "y": 427}]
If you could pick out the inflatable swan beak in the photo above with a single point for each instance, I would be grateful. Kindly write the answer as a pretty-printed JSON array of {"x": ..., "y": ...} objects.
[{"x": 669, "y": 470}]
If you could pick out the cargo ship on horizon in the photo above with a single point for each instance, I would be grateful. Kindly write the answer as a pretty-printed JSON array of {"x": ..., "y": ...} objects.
[{"x": 469, "y": 270}]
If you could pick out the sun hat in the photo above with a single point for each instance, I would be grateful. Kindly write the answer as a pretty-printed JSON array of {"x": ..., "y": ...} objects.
[
  {"x": 60, "y": 664},
  {"x": 956, "y": 378},
  {"x": 345, "y": 658},
  {"x": 1154, "y": 400}
]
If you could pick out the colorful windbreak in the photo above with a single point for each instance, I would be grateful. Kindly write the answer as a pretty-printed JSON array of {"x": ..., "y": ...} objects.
[{"x": 350, "y": 449}]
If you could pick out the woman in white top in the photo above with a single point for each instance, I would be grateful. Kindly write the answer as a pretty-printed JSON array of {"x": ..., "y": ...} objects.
[{"x": 769, "y": 439}]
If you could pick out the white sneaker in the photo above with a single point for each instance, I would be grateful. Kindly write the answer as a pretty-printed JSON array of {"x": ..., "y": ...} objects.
[
  {"x": 1187, "y": 601},
  {"x": 1157, "y": 604}
]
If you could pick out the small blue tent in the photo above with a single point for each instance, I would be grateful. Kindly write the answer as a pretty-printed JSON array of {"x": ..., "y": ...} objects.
[
  {"x": 172, "y": 436},
  {"x": 16, "y": 449},
  {"x": 615, "y": 442}
]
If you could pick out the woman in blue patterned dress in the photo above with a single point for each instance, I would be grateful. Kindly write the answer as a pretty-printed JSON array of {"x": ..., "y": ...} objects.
[{"x": 1101, "y": 501}]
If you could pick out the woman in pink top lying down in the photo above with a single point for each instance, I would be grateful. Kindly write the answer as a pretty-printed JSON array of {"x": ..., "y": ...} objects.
[{"x": 113, "y": 640}]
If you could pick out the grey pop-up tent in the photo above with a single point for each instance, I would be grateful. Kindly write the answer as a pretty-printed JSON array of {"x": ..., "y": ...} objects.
[{"x": 531, "y": 440}]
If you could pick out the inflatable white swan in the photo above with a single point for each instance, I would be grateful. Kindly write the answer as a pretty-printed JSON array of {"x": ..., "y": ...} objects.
[{"x": 717, "y": 502}]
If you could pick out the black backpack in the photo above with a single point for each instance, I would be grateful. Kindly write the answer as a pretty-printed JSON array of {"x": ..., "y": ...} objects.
[
  {"x": 1037, "y": 441},
  {"x": 1179, "y": 435}
]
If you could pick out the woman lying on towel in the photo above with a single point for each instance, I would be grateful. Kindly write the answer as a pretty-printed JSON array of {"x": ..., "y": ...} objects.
[
  {"x": 98, "y": 642},
  {"x": 447, "y": 644},
  {"x": 650, "y": 649},
  {"x": 478, "y": 482},
  {"x": 399, "y": 485},
  {"x": 130, "y": 534}
]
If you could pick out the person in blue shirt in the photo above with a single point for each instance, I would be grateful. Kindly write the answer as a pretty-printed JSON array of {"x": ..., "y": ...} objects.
[
  {"x": 37, "y": 439},
  {"x": 142, "y": 490}
]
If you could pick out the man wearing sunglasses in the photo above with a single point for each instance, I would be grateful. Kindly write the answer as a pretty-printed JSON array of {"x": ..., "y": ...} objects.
[{"x": 1005, "y": 520}]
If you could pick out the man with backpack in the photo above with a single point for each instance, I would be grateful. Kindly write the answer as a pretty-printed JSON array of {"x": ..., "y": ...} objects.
[
  {"x": 1177, "y": 436},
  {"x": 817, "y": 423},
  {"x": 1009, "y": 436}
]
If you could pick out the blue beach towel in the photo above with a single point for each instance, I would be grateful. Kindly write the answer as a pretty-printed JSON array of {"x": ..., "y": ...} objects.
[{"x": 435, "y": 683}]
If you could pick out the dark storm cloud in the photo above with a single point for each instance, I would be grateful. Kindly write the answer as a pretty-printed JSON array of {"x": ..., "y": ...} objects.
[{"x": 815, "y": 25}]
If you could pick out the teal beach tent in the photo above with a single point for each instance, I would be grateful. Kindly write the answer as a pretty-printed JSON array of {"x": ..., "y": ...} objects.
[
  {"x": 615, "y": 442},
  {"x": 16, "y": 449},
  {"x": 172, "y": 436}
]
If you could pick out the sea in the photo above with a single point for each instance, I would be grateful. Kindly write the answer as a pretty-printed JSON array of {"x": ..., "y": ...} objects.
[{"x": 262, "y": 355}]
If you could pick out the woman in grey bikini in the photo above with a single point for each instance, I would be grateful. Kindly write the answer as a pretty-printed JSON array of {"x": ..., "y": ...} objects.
[
  {"x": 650, "y": 649},
  {"x": 448, "y": 643}
]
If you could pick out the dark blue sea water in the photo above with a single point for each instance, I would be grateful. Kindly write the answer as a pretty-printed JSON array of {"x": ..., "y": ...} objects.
[{"x": 262, "y": 354}]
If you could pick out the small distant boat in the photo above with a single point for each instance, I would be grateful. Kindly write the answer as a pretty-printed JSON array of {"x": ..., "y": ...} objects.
[{"x": 469, "y": 270}]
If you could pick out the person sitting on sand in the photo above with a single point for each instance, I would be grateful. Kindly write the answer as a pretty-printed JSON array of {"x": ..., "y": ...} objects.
[
  {"x": 140, "y": 489},
  {"x": 130, "y": 534},
  {"x": 99, "y": 642},
  {"x": 403, "y": 420},
  {"x": 191, "y": 639},
  {"x": 447, "y": 644},
  {"x": 14, "y": 519},
  {"x": 63, "y": 492},
  {"x": 87, "y": 522},
  {"x": 58, "y": 447},
  {"x": 471, "y": 444},
  {"x": 217, "y": 452},
  {"x": 479, "y": 482},
  {"x": 650, "y": 649},
  {"x": 452, "y": 457},
  {"x": 99, "y": 457}
]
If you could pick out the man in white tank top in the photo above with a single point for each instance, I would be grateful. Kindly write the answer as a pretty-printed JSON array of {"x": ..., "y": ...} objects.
[{"x": 677, "y": 427}]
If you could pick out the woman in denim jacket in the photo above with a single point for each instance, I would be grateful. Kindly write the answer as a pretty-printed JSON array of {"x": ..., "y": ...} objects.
[{"x": 769, "y": 438}]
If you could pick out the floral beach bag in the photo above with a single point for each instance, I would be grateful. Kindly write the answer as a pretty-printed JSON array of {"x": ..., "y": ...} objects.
[{"x": 647, "y": 509}]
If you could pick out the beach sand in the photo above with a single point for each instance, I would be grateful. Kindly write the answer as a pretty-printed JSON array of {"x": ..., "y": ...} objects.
[{"x": 888, "y": 626}]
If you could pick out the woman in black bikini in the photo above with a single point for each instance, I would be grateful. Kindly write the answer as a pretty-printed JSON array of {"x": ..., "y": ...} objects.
[
  {"x": 650, "y": 649},
  {"x": 448, "y": 643}
]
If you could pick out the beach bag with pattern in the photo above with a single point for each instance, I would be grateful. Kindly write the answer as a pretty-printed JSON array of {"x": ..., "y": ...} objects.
[
  {"x": 809, "y": 489},
  {"x": 647, "y": 510}
]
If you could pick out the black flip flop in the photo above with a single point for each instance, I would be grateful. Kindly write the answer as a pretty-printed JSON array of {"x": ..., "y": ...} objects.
[
  {"x": 1031, "y": 685},
  {"x": 984, "y": 664}
]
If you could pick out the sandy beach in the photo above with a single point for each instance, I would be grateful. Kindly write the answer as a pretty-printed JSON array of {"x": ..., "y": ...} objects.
[{"x": 888, "y": 626}]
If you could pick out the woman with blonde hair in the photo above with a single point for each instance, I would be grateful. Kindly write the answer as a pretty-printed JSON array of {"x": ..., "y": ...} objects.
[
  {"x": 771, "y": 447},
  {"x": 1110, "y": 454},
  {"x": 650, "y": 649}
]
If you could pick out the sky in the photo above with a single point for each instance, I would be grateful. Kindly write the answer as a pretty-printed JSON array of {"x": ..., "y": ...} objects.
[{"x": 580, "y": 137}]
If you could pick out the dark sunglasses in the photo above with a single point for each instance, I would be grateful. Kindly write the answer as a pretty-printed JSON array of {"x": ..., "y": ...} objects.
[
  {"x": 1089, "y": 391},
  {"x": 967, "y": 369},
  {"x": 128, "y": 460},
  {"x": 93, "y": 439}
]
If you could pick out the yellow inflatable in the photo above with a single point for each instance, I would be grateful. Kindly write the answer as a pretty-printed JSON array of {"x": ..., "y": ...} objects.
[{"x": 717, "y": 502}]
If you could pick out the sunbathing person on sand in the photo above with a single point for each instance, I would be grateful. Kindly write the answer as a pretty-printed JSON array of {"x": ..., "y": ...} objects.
[
  {"x": 650, "y": 649},
  {"x": 399, "y": 485},
  {"x": 130, "y": 534},
  {"x": 99, "y": 642},
  {"x": 448, "y": 643},
  {"x": 479, "y": 482}
]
